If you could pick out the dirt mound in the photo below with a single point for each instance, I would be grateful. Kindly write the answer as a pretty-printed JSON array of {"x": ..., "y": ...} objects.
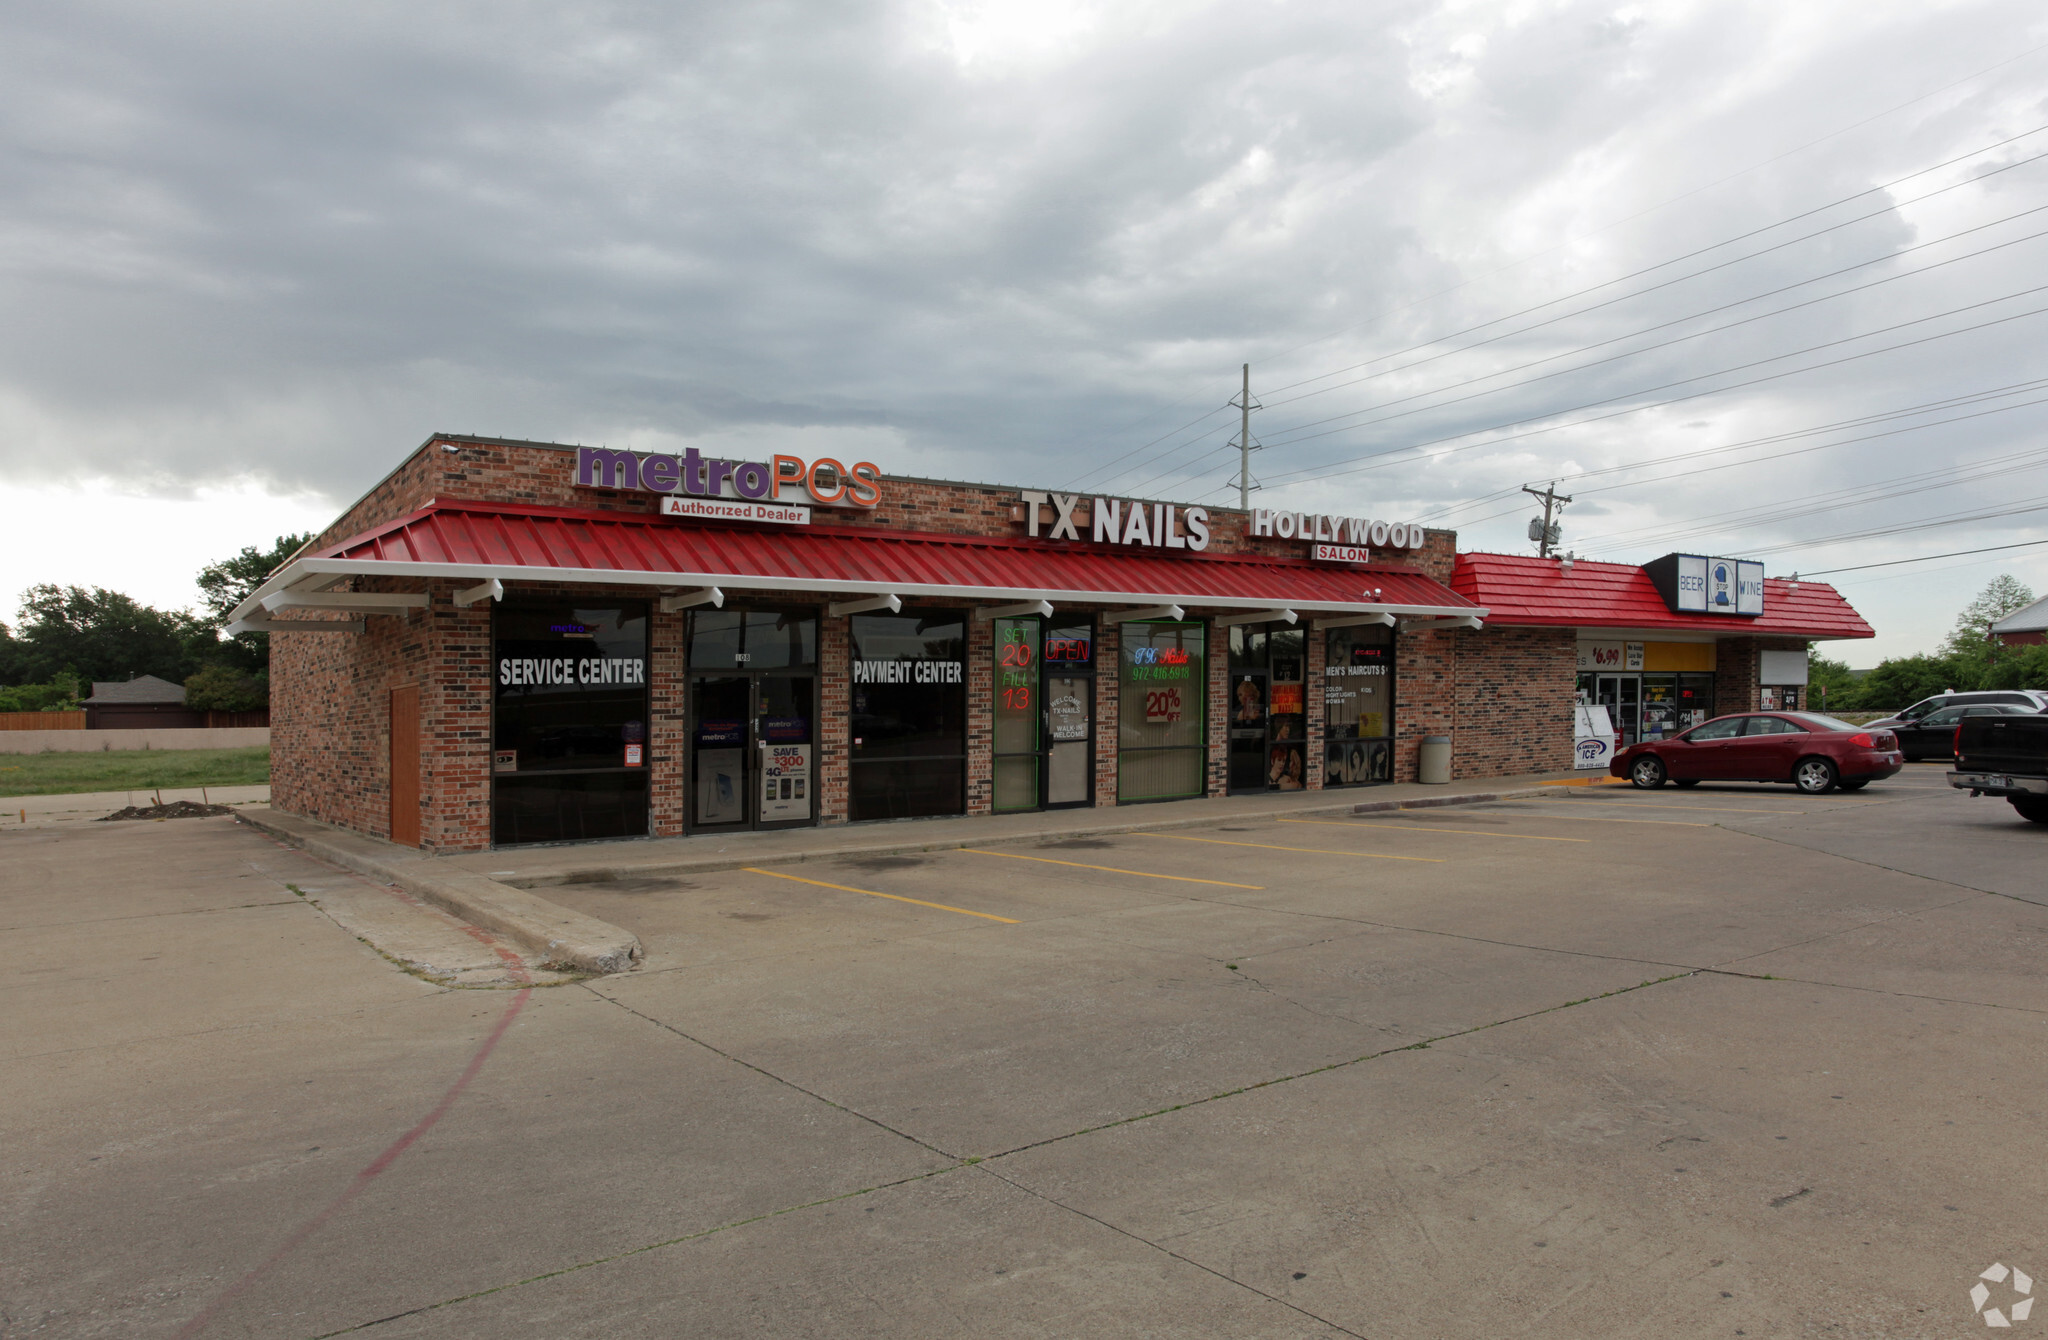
[{"x": 177, "y": 809}]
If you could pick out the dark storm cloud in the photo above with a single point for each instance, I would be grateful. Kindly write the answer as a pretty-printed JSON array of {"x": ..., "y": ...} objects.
[{"x": 1006, "y": 242}]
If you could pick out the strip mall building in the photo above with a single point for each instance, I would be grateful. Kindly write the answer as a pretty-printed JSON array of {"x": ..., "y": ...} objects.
[{"x": 509, "y": 642}]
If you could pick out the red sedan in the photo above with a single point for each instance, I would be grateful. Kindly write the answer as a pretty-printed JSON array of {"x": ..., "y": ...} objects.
[{"x": 1813, "y": 752}]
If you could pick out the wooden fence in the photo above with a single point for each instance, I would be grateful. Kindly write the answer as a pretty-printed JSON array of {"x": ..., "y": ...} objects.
[{"x": 42, "y": 720}]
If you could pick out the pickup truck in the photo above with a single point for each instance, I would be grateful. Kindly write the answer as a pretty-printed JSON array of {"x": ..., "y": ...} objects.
[{"x": 2005, "y": 756}]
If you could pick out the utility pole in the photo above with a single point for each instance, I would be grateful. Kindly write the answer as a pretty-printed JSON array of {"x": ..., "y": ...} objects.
[
  {"x": 1243, "y": 444},
  {"x": 1545, "y": 533}
]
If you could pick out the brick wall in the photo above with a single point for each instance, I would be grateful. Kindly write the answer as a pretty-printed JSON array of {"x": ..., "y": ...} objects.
[
  {"x": 331, "y": 694},
  {"x": 1514, "y": 693},
  {"x": 1738, "y": 667},
  {"x": 1108, "y": 644}
]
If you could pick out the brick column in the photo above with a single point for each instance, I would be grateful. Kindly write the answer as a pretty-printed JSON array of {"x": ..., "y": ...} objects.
[
  {"x": 980, "y": 714},
  {"x": 1216, "y": 711},
  {"x": 835, "y": 716},
  {"x": 449, "y": 656},
  {"x": 1314, "y": 662},
  {"x": 1108, "y": 640},
  {"x": 1423, "y": 705},
  {"x": 668, "y": 726},
  {"x": 1737, "y": 666}
]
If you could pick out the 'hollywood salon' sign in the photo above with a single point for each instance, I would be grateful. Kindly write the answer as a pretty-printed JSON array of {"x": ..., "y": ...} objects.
[{"x": 826, "y": 482}]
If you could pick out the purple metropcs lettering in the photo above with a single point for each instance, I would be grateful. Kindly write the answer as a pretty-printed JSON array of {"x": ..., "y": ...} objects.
[{"x": 604, "y": 468}]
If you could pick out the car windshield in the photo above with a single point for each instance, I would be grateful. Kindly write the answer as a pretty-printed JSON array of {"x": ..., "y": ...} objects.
[{"x": 1818, "y": 721}]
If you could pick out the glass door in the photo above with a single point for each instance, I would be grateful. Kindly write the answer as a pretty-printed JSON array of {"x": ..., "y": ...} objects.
[
  {"x": 752, "y": 719},
  {"x": 1068, "y": 693},
  {"x": 721, "y": 708},
  {"x": 1622, "y": 696}
]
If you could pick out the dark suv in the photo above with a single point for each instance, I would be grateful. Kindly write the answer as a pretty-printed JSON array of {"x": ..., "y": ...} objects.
[
  {"x": 1934, "y": 735},
  {"x": 2027, "y": 700}
]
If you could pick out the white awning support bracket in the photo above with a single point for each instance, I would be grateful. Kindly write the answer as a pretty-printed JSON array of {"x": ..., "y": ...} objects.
[
  {"x": 1042, "y": 608},
  {"x": 349, "y": 602},
  {"x": 1353, "y": 621},
  {"x": 1425, "y": 625},
  {"x": 490, "y": 590},
  {"x": 684, "y": 600},
  {"x": 1147, "y": 612},
  {"x": 1257, "y": 616},
  {"x": 257, "y": 623},
  {"x": 889, "y": 602}
]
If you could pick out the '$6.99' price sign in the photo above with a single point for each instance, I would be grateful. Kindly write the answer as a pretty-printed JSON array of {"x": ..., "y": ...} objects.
[{"x": 1162, "y": 705}]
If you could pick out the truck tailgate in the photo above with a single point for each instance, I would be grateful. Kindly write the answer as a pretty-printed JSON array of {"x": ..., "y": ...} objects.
[{"x": 2008, "y": 744}]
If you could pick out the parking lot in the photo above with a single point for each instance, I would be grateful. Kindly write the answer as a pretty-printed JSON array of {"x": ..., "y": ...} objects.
[{"x": 1716, "y": 1062}]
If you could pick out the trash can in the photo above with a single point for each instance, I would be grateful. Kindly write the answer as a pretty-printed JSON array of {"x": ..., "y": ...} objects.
[{"x": 1434, "y": 767}]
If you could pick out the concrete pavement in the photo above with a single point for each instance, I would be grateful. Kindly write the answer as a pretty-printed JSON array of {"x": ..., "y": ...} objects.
[{"x": 1587, "y": 1063}]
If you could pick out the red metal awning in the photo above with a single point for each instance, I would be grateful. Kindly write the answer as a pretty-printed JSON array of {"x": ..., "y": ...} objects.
[
  {"x": 1521, "y": 589},
  {"x": 482, "y": 541}
]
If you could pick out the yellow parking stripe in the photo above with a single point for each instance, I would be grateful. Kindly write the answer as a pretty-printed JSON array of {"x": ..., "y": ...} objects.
[
  {"x": 1114, "y": 870},
  {"x": 1431, "y": 828},
  {"x": 897, "y": 897},
  {"x": 1652, "y": 805},
  {"x": 1609, "y": 819},
  {"x": 1312, "y": 851}
]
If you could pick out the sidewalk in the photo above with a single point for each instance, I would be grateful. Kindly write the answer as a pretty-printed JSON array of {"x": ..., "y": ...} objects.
[
  {"x": 584, "y": 863},
  {"x": 85, "y": 806},
  {"x": 491, "y": 889}
]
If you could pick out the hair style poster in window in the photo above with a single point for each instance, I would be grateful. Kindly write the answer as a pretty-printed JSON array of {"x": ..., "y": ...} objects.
[
  {"x": 1248, "y": 702},
  {"x": 1285, "y": 770}
]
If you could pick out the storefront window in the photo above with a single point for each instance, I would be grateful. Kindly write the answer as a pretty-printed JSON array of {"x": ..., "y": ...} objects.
[
  {"x": 1017, "y": 708},
  {"x": 1162, "y": 711},
  {"x": 909, "y": 729},
  {"x": 1358, "y": 706},
  {"x": 569, "y": 724}
]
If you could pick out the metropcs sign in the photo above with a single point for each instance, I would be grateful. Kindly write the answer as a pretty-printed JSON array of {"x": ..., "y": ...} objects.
[{"x": 712, "y": 486}]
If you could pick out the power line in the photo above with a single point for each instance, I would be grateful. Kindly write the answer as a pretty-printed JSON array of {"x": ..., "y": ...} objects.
[
  {"x": 1687, "y": 195},
  {"x": 1715, "y": 246},
  {"x": 1858, "y": 421},
  {"x": 1900, "y": 562},
  {"x": 1675, "y": 321},
  {"x": 1624, "y": 278},
  {"x": 1356, "y": 467}
]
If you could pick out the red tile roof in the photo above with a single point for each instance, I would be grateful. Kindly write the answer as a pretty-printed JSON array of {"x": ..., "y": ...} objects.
[
  {"x": 562, "y": 544},
  {"x": 1523, "y": 589}
]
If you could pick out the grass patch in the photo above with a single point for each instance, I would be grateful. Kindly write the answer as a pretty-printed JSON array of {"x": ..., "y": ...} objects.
[{"x": 132, "y": 770}]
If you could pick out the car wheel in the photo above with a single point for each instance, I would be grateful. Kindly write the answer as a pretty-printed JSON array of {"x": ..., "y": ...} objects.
[
  {"x": 1856, "y": 785},
  {"x": 2030, "y": 808},
  {"x": 1814, "y": 776},
  {"x": 1647, "y": 772},
  {"x": 1685, "y": 781}
]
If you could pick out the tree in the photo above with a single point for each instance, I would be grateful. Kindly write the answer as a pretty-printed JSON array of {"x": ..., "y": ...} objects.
[
  {"x": 59, "y": 695},
  {"x": 2000, "y": 597},
  {"x": 226, "y": 584},
  {"x": 98, "y": 634},
  {"x": 1833, "y": 682},
  {"x": 220, "y": 688},
  {"x": 2019, "y": 668},
  {"x": 1902, "y": 682},
  {"x": 11, "y": 657}
]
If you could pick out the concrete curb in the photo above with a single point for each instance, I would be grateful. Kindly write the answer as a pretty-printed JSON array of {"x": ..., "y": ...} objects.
[
  {"x": 561, "y": 938},
  {"x": 1435, "y": 802}
]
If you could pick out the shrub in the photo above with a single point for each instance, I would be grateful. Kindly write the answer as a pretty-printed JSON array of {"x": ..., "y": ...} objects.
[{"x": 220, "y": 688}]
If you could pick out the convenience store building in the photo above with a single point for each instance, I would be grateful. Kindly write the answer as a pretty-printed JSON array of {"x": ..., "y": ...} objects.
[{"x": 508, "y": 643}]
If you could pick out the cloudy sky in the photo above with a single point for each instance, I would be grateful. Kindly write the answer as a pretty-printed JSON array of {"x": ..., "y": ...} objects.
[{"x": 1743, "y": 278}]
